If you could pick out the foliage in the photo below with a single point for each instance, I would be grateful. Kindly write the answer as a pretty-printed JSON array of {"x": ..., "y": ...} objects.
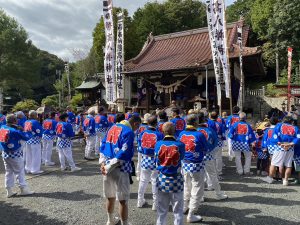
[
  {"x": 261, "y": 12},
  {"x": 284, "y": 29},
  {"x": 27, "y": 104},
  {"x": 51, "y": 100},
  {"x": 238, "y": 9},
  {"x": 272, "y": 91},
  {"x": 25, "y": 71},
  {"x": 76, "y": 100}
]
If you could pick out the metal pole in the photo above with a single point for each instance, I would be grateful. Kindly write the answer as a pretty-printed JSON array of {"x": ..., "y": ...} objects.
[{"x": 58, "y": 72}]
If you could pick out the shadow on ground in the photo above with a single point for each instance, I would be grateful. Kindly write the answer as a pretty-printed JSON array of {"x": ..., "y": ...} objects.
[{"x": 10, "y": 215}]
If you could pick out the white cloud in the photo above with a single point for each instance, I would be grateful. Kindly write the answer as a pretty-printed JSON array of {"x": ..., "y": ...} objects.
[{"x": 58, "y": 26}]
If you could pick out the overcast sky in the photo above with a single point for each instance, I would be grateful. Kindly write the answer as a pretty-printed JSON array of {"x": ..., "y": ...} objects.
[{"x": 59, "y": 26}]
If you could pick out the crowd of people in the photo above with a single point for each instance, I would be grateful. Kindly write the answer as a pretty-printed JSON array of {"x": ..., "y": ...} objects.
[{"x": 178, "y": 154}]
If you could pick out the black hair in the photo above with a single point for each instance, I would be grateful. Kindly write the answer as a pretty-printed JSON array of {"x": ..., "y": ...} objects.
[
  {"x": 120, "y": 117},
  {"x": 235, "y": 109},
  {"x": 214, "y": 115},
  {"x": 52, "y": 114},
  {"x": 288, "y": 119},
  {"x": 63, "y": 116},
  {"x": 152, "y": 121},
  {"x": 175, "y": 110},
  {"x": 201, "y": 117},
  {"x": 135, "y": 119},
  {"x": 163, "y": 115},
  {"x": 273, "y": 120}
]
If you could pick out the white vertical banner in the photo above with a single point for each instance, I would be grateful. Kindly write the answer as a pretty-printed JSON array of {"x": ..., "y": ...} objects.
[
  {"x": 120, "y": 56},
  {"x": 215, "y": 56},
  {"x": 217, "y": 13},
  {"x": 109, "y": 58},
  {"x": 241, "y": 99}
]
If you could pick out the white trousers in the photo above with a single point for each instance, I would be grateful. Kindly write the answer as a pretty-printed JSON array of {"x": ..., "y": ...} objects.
[
  {"x": 219, "y": 160},
  {"x": 33, "y": 158},
  {"x": 145, "y": 177},
  {"x": 98, "y": 143},
  {"x": 90, "y": 146},
  {"x": 14, "y": 167},
  {"x": 65, "y": 153},
  {"x": 138, "y": 165},
  {"x": 212, "y": 175},
  {"x": 163, "y": 202},
  {"x": 230, "y": 151},
  {"x": 47, "y": 151},
  {"x": 238, "y": 162},
  {"x": 193, "y": 184}
]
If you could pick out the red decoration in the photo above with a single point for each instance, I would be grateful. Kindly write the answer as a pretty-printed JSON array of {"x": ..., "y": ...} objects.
[
  {"x": 113, "y": 134},
  {"x": 148, "y": 140},
  {"x": 189, "y": 141},
  {"x": 169, "y": 155}
]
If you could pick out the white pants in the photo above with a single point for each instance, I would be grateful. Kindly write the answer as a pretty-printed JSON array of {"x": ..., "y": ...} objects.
[
  {"x": 219, "y": 160},
  {"x": 145, "y": 177},
  {"x": 138, "y": 165},
  {"x": 99, "y": 138},
  {"x": 193, "y": 184},
  {"x": 14, "y": 167},
  {"x": 238, "y": 162},
  {"x": 33, "y": 158},
  {"x": 163, "y": 202},
  {"x": 65, "y": 152},
  {"x": 47, "y": 151},
  {"x": 212, "y": 175},
  {"x": 230, "y": 151},
  {"x": 90, "y": 146}
]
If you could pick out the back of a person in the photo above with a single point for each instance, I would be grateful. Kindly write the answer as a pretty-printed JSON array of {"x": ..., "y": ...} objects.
[
  {"x": 179, "y": 124},
  {"x": 210, "y": 136},
  {"x": 49, "y": 126}
]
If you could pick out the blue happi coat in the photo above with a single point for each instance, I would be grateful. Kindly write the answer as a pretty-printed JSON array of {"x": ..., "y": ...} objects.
[
  {"x": 89, "y": 126},
  {"x": 34, "y": 129},
  {"x": 179, "y": 124}
]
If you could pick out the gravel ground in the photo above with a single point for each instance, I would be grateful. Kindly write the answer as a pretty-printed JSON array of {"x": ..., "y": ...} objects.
[{"x": 76, "y": 198}]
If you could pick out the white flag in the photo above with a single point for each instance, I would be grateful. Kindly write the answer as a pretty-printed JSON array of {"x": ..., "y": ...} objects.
[
  {"x": 109, "y": 58},
  {"x": 120, "y": 56},
  {"x": 215, "y": 56}
]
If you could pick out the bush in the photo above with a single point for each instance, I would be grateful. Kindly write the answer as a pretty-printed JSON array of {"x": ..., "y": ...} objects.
[
  {"x": 272, "y": 91},
  {"x": 51, "y": 101},
  {"x": 76, "y": 100},
  {"x": 27, "y": 104}
]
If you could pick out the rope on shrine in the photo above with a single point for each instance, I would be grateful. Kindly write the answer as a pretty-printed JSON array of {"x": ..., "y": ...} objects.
[{"x": 168, "y": 88}]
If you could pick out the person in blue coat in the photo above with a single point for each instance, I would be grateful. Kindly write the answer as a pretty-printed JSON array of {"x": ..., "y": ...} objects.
[
  {"x": 65, "y": 133},
  {"x": 178, "y": 122},
  {"x": 89, "y": 129},
  {"x": 220, "y": 130},
  {"x": 49, "y": 127},
  {"x": 101, "y": 127},
  {"x": 210, "y": 157},
  {"x": 163, "y": 118},
  {"x": 10, "y": 137},
  {"x": 71, "y": 117},
  {"x": 116, "y": 155},
  {"x": 242, "y": 136},
  {"x": 142, "y": 128},
  {"x": 33, "y": 147},
  {"x": 193, "y": 166},
  {"x": 2, "y": 119},
  {"x": 170, "y": 183},
  {"x": 285, "y": 136},
  {"x": 232, "y": 119},
  {"x": 147, "y": 141},
  {"x": 111, "y": 117},
  {"x": 21, "y": 118}
]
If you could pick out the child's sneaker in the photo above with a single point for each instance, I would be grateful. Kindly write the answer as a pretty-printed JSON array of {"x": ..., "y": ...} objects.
[
  {"x": 285, "y": 182},
  {"x": 258, "y": 172},
  {"x": 264, "y": 173}
]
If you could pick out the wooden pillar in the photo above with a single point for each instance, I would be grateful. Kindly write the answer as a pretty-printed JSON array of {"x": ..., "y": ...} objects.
[{"x": 147, "y": 98}]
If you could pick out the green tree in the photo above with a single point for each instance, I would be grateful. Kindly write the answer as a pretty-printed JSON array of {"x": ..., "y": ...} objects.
[
  {"x": 239, "y": 8},
  {"x": 261, "y": 12},
  {"x": 27, "y": 104},
  {"x": 50, "y": 101},
  {"x": 284, "y": 29}
]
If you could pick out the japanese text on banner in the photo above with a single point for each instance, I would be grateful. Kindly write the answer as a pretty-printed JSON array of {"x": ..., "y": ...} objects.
[
  {"x": 109, "y": 64},
  {"x": 120, "y": 56}
]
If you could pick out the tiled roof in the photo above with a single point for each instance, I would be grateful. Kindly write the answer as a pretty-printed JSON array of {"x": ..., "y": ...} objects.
[{"x": 183, "y": 50}]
